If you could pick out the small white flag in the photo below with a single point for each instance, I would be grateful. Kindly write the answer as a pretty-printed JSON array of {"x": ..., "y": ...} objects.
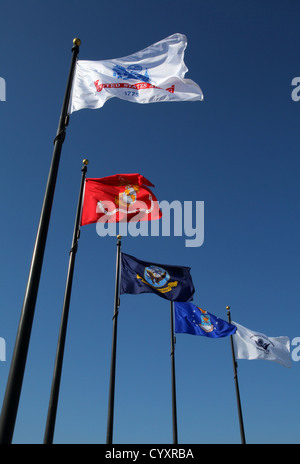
[
  {"x": 254, "y": 345},
  {"x": 151, "y": 75}
]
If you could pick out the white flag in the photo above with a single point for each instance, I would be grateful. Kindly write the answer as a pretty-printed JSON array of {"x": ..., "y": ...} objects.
[
  {"x": 254, "y": 345},
  {"x": 152, "y": 75}
]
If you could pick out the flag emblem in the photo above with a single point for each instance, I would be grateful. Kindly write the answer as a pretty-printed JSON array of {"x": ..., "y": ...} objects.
[
  {"x": 262, "y": 343},
  {"x": 156, "y": 276},
  {"x": 128, "y": 197},
  {"x": 205, "y": 323},
  {"x": 133, "y": 71},
  {"x": 125, "y": 201}
]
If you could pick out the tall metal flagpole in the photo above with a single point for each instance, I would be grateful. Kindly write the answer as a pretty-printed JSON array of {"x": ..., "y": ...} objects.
[
  {"x": 111, "y": 400},
  {"x": 52, "y": 408},
  {"x": 18, "y": 363},
  {"x": 242, "y": 431},
  {"x": 174, "y": 406}
]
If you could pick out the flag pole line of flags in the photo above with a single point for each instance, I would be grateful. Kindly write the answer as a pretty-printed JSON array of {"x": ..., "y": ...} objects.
[{"x": 154, "y": 74}]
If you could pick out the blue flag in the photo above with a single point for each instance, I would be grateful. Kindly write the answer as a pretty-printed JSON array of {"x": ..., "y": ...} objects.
[
  {"x": 193, "y": 320},
  {"x": 173, "y": 283}
]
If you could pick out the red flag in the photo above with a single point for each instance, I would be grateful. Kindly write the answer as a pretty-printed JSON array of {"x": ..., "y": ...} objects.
[{"x": 119, "y": 198}]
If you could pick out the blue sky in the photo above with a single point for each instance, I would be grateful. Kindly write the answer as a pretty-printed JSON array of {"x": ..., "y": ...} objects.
[{"x": 238, "y": 151}]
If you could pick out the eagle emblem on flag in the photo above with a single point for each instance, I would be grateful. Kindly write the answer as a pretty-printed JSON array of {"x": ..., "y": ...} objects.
[{"x": 205, "y": 323}]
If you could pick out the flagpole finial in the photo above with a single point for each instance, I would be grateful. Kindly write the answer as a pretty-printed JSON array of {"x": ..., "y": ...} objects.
[
  {"x": 119, "y": 237},
  {"x": 85, "y": 162},
  {"x": 76, "y": 41},
  {"x": 228, "y": 309}
]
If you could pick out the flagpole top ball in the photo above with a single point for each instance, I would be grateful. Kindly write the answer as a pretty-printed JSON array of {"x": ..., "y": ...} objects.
[
  {"x": 227, "y": 307},
  {"x": 76, "y": 41},
  {"x": 119, "y": 237},
  {"x": 85, "y": 162}
]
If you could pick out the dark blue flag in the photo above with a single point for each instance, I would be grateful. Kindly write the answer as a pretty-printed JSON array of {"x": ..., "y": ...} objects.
[
  {"x": 193, "y": 320},
  {"x": 173, "y": 283}
]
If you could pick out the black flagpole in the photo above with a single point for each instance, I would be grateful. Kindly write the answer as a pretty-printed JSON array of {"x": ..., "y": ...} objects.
[
  {"x": 52, "y": 408},
  {"x": 111, "y": 400},
  {"x": 242, "y": 431},
  {"x": 174, "y": 407},
  {"x": 17, "y": 368}
]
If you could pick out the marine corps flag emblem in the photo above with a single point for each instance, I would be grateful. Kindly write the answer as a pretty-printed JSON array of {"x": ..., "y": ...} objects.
[
  {"x": 173, "y": 283},
  {"x": 119, "y": 198}
]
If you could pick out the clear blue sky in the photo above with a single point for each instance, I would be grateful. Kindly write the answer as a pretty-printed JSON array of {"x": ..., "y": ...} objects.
[{"x": 238, "y": 151}]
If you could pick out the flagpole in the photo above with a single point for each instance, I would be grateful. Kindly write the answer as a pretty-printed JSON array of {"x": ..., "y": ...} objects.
[
  {"x": 174, "y": 406},
  {"x": 111, "y": 400},
  {"x": 52, "y": 408},
  {"x": 242, "y": 431},
  {"x": 17, "y": 368}
]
